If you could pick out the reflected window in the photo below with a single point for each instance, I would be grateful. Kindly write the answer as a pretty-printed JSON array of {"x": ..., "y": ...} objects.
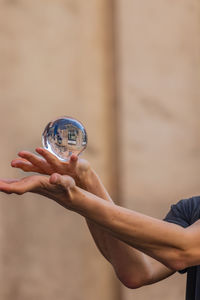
[{"x": 72, "y": 137}]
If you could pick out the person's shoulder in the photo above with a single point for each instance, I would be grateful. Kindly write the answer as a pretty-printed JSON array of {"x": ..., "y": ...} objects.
[
  {"x": 185, "y": 212},
  {"x": 193, "y": 200},
  {"x": 192, "y": 208},
  {"x": 189, "y": 205}
]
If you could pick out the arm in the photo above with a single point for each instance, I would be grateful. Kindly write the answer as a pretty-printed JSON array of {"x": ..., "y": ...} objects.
[
  {"x": 172, "y": 245},
  {"x": 133, "y": 267}
]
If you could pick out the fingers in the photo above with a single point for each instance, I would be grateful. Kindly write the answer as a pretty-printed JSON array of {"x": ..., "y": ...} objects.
[
  {"x": 11, "y": 187},
  {"x": 64, "y": 181},
  {"x": 73, "y": 158},
  {"x": 30, "y": 162},
  {"x": 24, "y": 165},
  {"x": 47, "y": 164},
  {"x": 32, "y": 158},
  {"x": 73, "y": 161},
  {"x": 49, "y": 157},
  {"x": 5, "y": 185},
  {"x": 3, "y": 180},
  {"x": 16, "y": 161},
  {"x": 27, "y": 184},
  {"x": 55, "y": 164}
]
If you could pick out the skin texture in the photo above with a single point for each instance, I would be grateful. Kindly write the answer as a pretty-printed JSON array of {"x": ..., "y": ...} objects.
[{"x": 142, "y": 250}]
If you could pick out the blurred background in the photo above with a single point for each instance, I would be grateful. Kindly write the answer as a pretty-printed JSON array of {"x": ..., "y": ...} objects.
[{"x": 130, "y": 72}]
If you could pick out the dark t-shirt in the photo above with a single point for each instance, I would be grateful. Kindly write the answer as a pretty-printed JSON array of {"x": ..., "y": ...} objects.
[{"x": 185, "y": 213}]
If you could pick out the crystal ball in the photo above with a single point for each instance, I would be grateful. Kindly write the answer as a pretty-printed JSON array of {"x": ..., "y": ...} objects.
[{"x": 64, "y": 136}]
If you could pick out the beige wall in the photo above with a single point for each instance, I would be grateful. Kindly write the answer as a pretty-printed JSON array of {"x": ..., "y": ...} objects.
[
  {"x": 59, "y": 57},
  {"x": 159, "y": 79},
  {"x": 53, "y": 62}
]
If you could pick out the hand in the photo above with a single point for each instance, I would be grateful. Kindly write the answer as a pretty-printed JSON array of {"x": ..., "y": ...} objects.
[
  {"x": 47, "y": 164},
  {"x": 57, "y": 187}
]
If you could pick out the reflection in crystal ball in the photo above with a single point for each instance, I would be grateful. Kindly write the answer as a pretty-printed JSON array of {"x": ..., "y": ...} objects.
[{"x": 64, "y": 136}]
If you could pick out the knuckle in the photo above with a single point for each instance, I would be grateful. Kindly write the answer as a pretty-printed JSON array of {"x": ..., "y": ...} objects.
[
  {"x": 24, "y": 168},
  {"x": 55, "y": 162}
]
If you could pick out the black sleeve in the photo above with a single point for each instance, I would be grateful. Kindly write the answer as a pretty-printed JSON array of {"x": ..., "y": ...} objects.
[{"x": 184, "y": 213}]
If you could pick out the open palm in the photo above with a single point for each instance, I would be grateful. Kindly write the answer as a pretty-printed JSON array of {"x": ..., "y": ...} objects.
[
  {"x": 56, "y": 187},
  {"x": 48, "y": 164}
]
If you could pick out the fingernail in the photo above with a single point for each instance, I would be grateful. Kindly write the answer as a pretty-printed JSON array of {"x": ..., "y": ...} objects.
[
  {"x": 20, "y": 153},
  {"x": 74, "y": 157}
]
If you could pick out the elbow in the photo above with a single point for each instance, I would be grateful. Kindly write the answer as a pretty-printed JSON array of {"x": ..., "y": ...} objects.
[{"x": 133, "y": 282}]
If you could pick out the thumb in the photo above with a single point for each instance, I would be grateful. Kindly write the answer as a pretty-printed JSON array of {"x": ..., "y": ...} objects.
[
  {"x": 73, "y": 160},
  {"x": 64, "y": 181}
]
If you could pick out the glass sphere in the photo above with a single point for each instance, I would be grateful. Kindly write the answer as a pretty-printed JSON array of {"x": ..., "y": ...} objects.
[{"x": 63, "y": 137}]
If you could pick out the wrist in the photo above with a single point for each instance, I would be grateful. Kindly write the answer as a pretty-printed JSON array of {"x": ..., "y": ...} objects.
[
  {"x": 87, "y": 179},
  {"x": 91, "y": 183},
  {"x": 84, "y": 178}
]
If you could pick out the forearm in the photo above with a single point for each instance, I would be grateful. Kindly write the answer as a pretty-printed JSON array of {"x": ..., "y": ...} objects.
[
  {"x": 127, "y": 261},
  {"x": 109, "y": 218},
  {"x": 158, "y": 239},
  {"x": 90, "y": 182}
]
